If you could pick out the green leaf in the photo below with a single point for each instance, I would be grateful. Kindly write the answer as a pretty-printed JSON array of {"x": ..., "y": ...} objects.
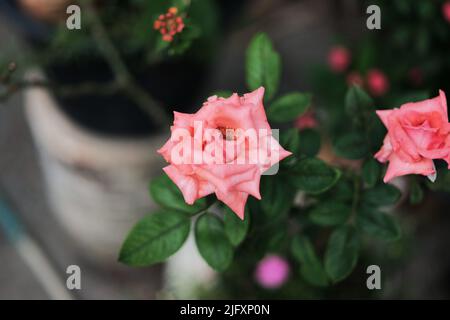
[
  {"x": 371, "y": 171},
  {"x": 290, "y": 140},
  {"x": 161, "y": 45},
  {"x": 378, "y": 224},
  {"x": 413, "y": 96},
  {"x": 442, "y": 182},
  {"x": 351, "y": 146},
  {"x": 309, "y": 142},
  {"x": 366, "y": 55},
  {"x": 222, "y": 93},
  {"x": 271, "y": 238},
  {"x": 426, "y": 9},
  {"x": 154, "y": 238},
  {"x": 212, "y": 242},
  {"x": 314, "y": 176},
  {"x": 381, "y": 195},
  {"x": 416, "y": 193},
  {"x": 342, "y": 191},
  {"x": 167, "y": 194},
  {"x": 263, "y": 65},
  {"x": 311, "y": 267},
  {"x": 277, "y": 240},
  {"x": 342, "y": 253},
  {"x": 422, "y": 41},
  {"x": 289, "y": 107},
  {"x": 357, "y": 100},
  {"x": 235, "y": 228},
  {"x": 276, "y": 197},
  {"x": 330, "y": 213}
]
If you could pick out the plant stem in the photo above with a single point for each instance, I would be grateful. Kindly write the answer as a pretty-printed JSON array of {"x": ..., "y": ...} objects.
[
  {"x": 356, "y": 196},
  {"x": 65, "y": 90},
  {"x": 123, "y": 80},
  {"x": 122, "y": 75}
]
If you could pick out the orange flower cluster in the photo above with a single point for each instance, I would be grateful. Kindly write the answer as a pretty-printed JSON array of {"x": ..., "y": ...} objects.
[{"x": 169, "y": 24}]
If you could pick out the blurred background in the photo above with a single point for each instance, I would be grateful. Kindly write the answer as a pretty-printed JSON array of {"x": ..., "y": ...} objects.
[{"x": 77, "y": 153}]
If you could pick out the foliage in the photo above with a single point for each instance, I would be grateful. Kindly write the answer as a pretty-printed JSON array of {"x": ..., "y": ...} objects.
[
  {"x": 130, "y": 27},
  {"x": 324, "y": 234}
]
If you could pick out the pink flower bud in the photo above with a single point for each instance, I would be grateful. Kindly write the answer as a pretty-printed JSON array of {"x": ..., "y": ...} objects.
[
  {"x": 446, "y": 11},
  {"x": 169, "y": 24},
  {"x": 173, "y": 10},
  {"x": 167, "y": 38},
  {"x": 377, "y": 82},
  {"x": 272, "y": 272},
  {"x": 339, "y": 58},
  {"x": 157, "y": 25},
  {"x": 307, "y": 120}
]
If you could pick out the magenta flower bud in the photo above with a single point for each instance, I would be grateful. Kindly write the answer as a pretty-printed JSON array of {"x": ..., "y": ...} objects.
[
  {"x": 272, "y": 272},
  {"x": 339, "y": 59},
  {"x": 446, "y": 11},
  {"x": 377, "y": 82}
]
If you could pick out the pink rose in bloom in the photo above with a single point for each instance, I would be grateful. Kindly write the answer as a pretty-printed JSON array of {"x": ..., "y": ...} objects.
[
  {"x": 223, "y": 148},
  {"x": 354, "y": 78},
  {"x": 272, "y": 272},
  {"x": 446, "y": 11},
  {"x": 417, "y": 133},
  {"x": 306, "y": 120},
  {"x": 339, "y": 59},
  {"x": 377, "y": 82}
]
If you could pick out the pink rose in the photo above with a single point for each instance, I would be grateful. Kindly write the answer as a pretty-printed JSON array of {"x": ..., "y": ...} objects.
[
  {"x": 339, "y": 59},
  {"x": 377, "y": 82},
  {"x": 307, "y": 120},
  {"x": 446, "y": 11},
  {"x": 417, "y": 134},
  {"x": 272, "y": 272},
  {"x": 223, "y": 148}
]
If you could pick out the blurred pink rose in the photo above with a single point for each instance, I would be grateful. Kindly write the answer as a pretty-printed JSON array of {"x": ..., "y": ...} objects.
[
  {"x": 272, "y": 272},
  {"x": 417, "y": 133},
  {"x": 223, "y": 148},
  {"x": 354, "y": 78},
  {"x": 377, "y": 82},
  {"x": 339, "y": 58},
  {"x": 307, "y": 120},
  {"x": 446, "y": 11}
]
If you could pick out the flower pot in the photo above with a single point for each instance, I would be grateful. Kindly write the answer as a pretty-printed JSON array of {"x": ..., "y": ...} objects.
[
  {"x": 33, "y": 30},
  {"x": 97, "y": 185},
  {"x": 186, "y": 273}
]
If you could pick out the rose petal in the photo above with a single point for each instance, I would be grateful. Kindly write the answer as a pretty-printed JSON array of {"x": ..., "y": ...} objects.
[
  {"x": 397, "y": 167},
  {"x": 187, "y": 184}
]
